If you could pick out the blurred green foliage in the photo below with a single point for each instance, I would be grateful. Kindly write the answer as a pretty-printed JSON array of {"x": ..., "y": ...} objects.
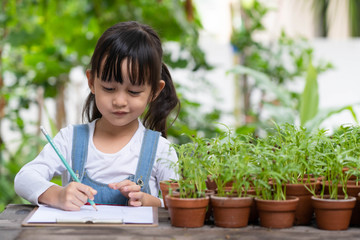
[
  {"x": 272, "y": 67},
  {"x": 42, "y": 40}
]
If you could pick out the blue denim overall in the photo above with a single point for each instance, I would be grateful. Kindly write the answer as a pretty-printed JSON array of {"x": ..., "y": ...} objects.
[{"x": 106, "y": 195}]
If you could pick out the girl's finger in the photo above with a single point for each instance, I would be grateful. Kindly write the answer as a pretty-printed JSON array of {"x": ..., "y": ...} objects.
[
  {"x": 135, "y": 199},
  {"x": 89, "y": 192},
  {"x": 81, "y": 197},
  {"x": 70, "y": 206},
  {"x": 130, "y": 188},
  {"x": 121, "y": 184},
  {"x": 77, "y": 202},
  {"x": 135, "y": 203}
]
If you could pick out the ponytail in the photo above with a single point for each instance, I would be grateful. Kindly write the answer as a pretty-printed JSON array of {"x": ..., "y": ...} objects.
[
  {"x": 90, "y": 110},
  {"x": 159, "y": 109}
]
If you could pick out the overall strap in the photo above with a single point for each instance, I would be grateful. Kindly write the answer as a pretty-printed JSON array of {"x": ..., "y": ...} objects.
[
  {"x": 146, "y": 159},
  {"x": 80, "y": 149}
]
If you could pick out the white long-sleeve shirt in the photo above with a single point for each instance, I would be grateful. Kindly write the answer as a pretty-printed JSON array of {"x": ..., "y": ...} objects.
[{"x": 34, "y": 178}]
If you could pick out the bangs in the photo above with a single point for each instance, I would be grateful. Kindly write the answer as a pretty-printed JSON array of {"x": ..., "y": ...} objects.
[{"x": 136, "y": 51}]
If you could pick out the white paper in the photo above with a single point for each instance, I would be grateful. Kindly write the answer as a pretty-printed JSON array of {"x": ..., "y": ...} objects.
[{"x": 105, "y": 214}]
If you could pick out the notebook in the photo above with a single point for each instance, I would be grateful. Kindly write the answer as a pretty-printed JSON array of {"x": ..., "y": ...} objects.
[{"x": 106, "y": 215}]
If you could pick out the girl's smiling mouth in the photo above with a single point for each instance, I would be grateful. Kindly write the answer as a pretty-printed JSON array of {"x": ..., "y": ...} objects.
[{"x": 120, "y": 113}]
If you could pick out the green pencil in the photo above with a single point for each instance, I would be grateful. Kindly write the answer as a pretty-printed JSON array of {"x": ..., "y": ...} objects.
[{"x": 73, "y": 175}]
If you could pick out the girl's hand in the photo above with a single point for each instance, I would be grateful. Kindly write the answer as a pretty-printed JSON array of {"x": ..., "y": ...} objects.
[
  {"x": 69, "y": 198},
  {"x": 136, "y": 198},
  {"x": 75, "y": 195},
  {"x": 125, "y": 187}
]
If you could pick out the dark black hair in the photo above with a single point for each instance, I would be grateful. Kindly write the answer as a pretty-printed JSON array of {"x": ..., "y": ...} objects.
[{"x": 140, "y": 45}]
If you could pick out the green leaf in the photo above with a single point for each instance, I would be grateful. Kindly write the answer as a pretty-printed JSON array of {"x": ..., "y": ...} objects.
[
  {"x": 309, "y": 103},
  {"x": 326, "y": 113}
]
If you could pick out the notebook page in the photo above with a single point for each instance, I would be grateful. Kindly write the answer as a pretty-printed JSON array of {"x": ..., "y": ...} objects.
[{"x": 105, "y": 213}]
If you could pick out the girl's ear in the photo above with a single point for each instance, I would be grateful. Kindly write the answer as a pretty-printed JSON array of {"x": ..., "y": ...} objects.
[
  {"x": 161, "y": 86},
  {"x": 90, "y": 81}
]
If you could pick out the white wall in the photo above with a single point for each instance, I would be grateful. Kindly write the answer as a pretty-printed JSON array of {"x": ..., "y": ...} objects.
[{"x": 340, "y": 86}]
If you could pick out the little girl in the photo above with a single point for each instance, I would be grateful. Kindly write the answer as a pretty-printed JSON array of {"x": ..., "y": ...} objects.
[{"x": 117, "y": 158}]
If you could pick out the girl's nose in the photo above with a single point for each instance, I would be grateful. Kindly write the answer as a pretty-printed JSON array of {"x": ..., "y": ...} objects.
[{"x": 119, "y": 100}]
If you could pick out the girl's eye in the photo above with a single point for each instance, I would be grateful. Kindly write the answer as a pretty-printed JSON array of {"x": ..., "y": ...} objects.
[
  {"x": 108, "y": 89},
  {"x": 134, "y": 92}
]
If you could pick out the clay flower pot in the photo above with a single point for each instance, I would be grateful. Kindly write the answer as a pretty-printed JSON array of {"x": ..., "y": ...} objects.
[
  {"x": 187, "y": 212},
  {"x": 277, "y": 213},
  {"x": 231, "y": 212},
  {"x": 333, "y": 214},
  {"x": 353, "y": 190},
  {"x": 164, "y": 187},
  {"x": 253, "y": 218},
  {"x": 304, "y": 211}
]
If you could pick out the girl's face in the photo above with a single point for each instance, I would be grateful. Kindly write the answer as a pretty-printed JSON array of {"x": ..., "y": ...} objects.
[{"x": 121, "y": 104}]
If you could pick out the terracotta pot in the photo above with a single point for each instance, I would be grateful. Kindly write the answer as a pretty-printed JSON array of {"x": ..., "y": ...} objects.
[
  {"x": 187, "y": 212},
  {"x": 209, "y": 213},
  {"x": 231, "y": 212},
  {"x": 353, "y": 190},
  {"x": 277, "y": 213},
  {"x": 333, "y": 214},
  {"x": 253, "y": 218},
  {"x": 164, "y": 187},
  {"x": 304, "y": 211}
]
